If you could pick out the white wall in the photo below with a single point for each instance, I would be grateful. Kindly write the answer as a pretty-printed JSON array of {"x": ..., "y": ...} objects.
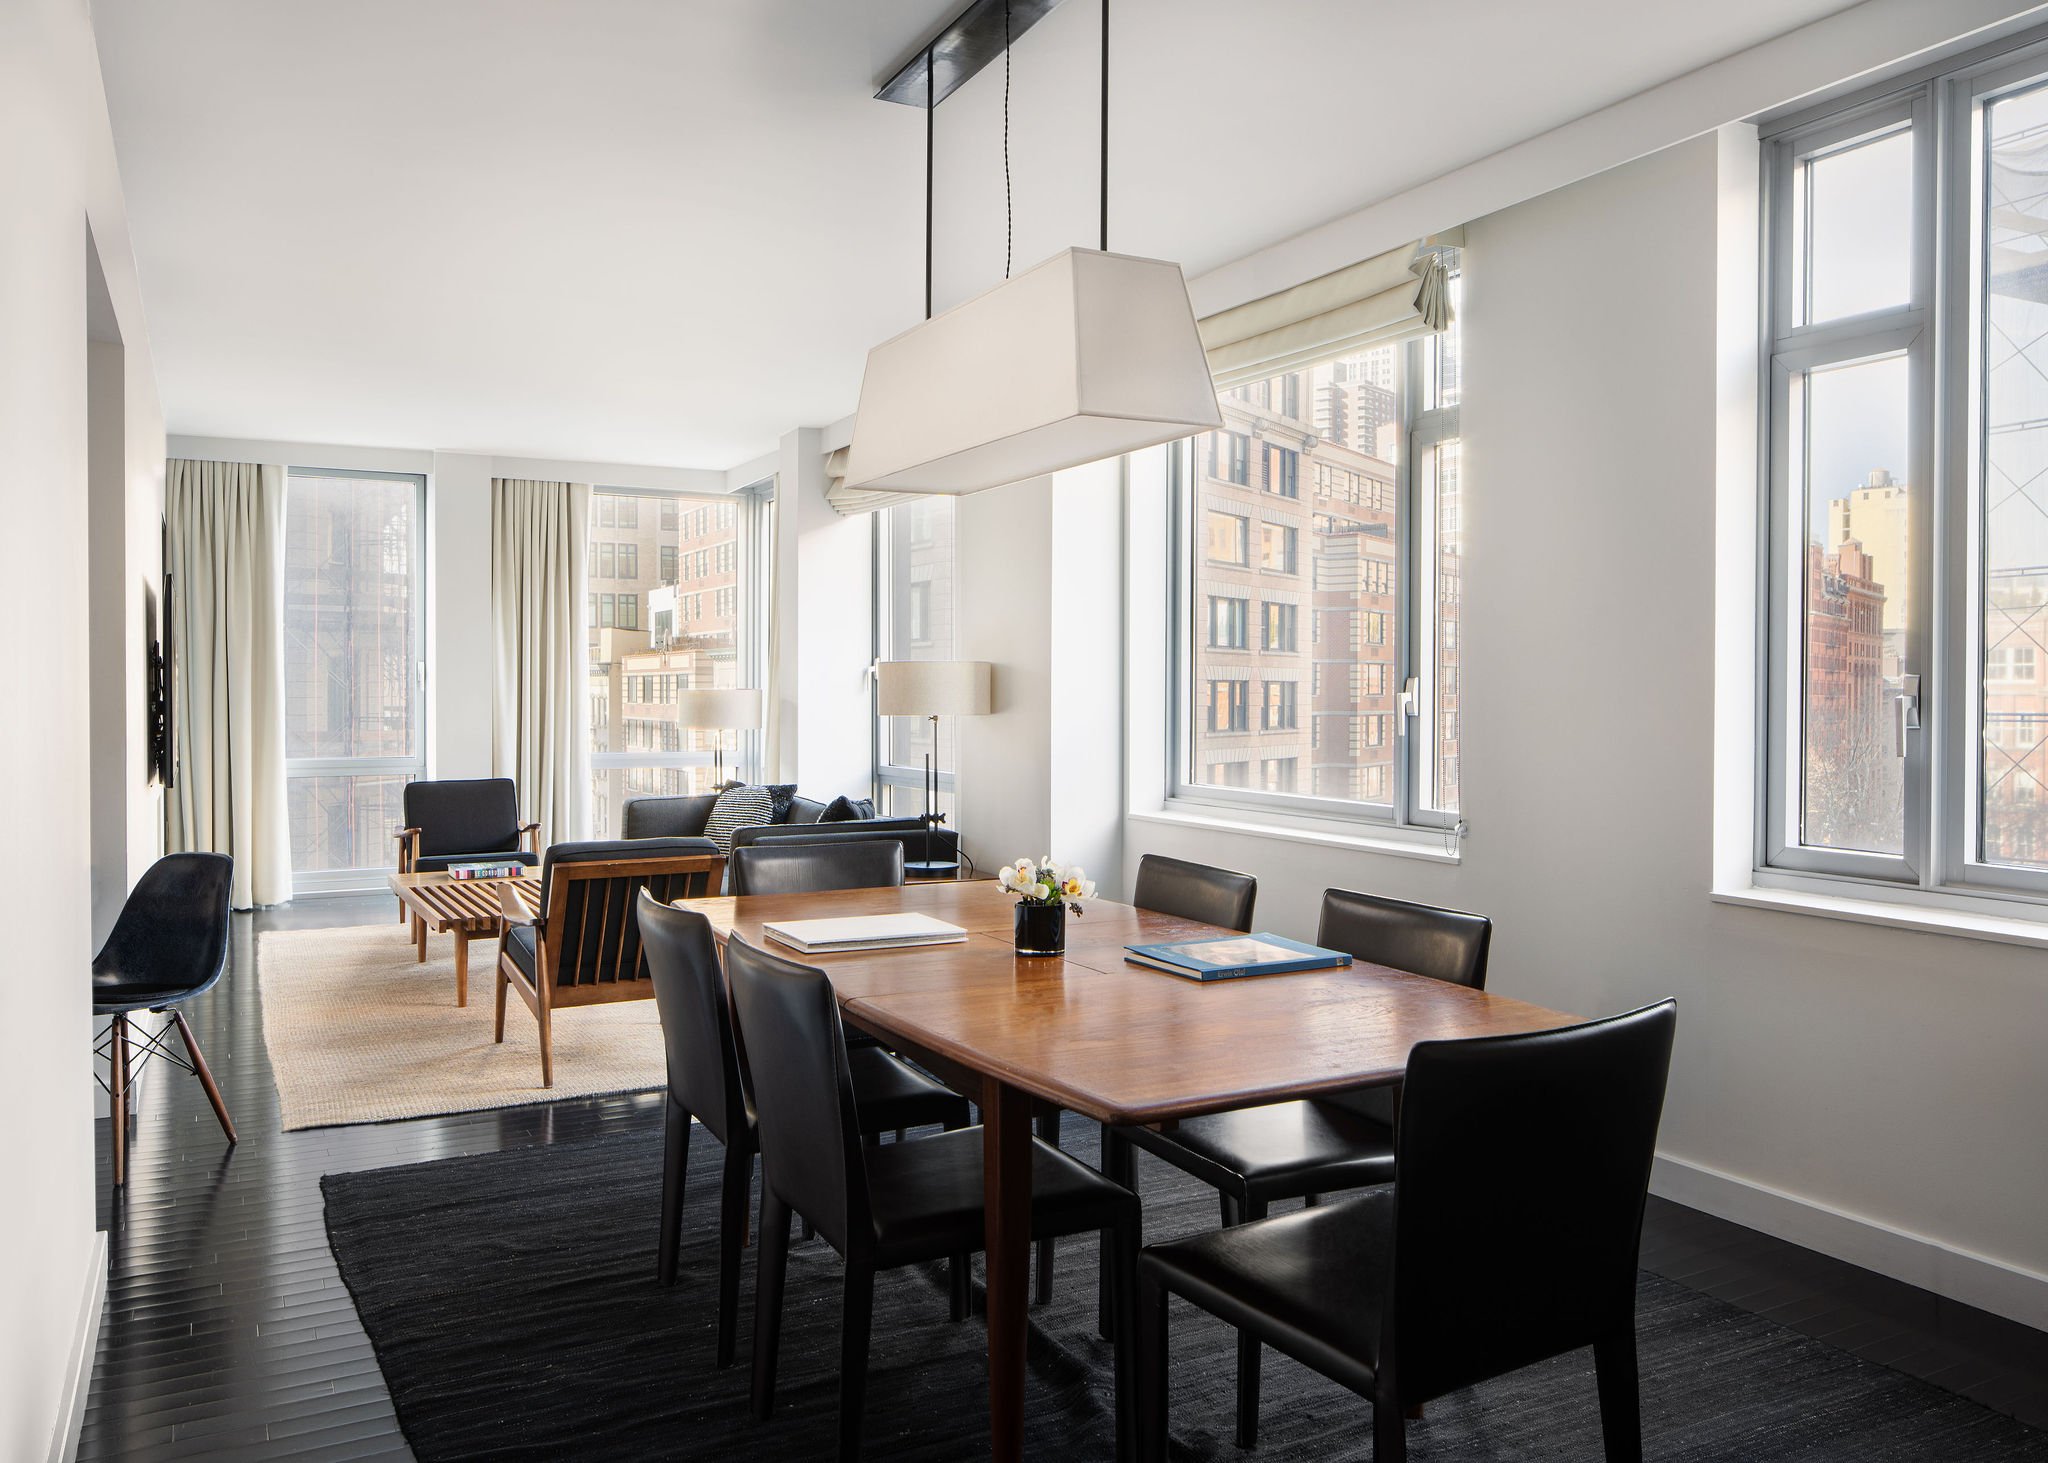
[
  {"x": 1860, "y": 1089},
  {"x": 50, "y": 192}
]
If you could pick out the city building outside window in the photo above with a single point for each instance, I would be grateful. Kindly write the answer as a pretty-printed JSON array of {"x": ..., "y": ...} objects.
[
  {"x": 1906, "y": 742},
  {"x": 1356, "y": 491}
]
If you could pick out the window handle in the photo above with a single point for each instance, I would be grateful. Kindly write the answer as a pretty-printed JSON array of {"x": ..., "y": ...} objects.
[
  {"x": 1411, "y": 698},
  {"x": 1905, "y": 712}
]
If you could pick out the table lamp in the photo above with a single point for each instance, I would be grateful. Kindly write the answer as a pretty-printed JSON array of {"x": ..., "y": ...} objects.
[
  {"x": 932, "y": 688},
  {"x": 719, "y": 710}
]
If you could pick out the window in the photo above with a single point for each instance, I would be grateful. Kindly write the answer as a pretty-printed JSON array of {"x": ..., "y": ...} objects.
[
  {"x": 1226, "y": 706},
  {"x": 354, "y": 669},
  {"x": 1357, "y": 463},
  {"x": 648, "y": 641},
  {"x": 1276, "y": 547},
  {"x": 1906, "y": 741},
  {"x": 1277, "y": 632},
  {"x": 914, "y": 621},
  {"x": 1226, "y": 622},
  {"x": 1279, "y": 710},
  {"x": 1229, "y": 541}
]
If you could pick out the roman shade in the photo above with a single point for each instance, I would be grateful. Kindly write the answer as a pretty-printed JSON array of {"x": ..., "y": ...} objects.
[{"x": 1392, "y": 296}]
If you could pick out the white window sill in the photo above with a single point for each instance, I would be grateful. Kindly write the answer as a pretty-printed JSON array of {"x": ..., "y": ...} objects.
[
  {"x": 1435, "y": 845},
  {"x": 1968, "y": 924}
]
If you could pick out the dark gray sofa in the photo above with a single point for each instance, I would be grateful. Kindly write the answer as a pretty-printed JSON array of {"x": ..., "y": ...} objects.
[{"x": 684, "y": 817}]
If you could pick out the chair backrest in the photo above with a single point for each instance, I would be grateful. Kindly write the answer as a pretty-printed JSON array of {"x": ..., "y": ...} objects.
[
  {"x": 1195, "y": 891},
  {"x": 696, "y": 1014},
  {"x": 464, "y": 814},
  {"x": 587, "y": 892},
  {"x": 1522, "y": 1164},
  {"x": 666, "y": 817},
  {"x": 173, "y": 929},
  {"x": 816, "y": 865},
  {"x": 803, "y": 1092},
  {"x": 1443, "y": 944}
]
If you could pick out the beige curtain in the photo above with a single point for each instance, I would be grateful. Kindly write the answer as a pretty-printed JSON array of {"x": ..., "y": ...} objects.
[
  {"x": 1391, "y": 296},
  {"x": 226, "y": 560},
  {"x": 540, "y": 715}
]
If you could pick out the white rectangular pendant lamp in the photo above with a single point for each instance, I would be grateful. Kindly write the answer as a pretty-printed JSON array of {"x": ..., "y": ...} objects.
[{"x": 1085, "y": 356}]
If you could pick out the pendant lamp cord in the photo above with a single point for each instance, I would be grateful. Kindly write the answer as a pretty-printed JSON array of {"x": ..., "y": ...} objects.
[
  {"x": 931, "y": 113},
  {"x": 1009, "y": 208},
  {"x": 1105, "y": 126}
]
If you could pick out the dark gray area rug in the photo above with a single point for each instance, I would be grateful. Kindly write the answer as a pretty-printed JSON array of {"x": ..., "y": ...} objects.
[{"x": 512, "y": 1303}]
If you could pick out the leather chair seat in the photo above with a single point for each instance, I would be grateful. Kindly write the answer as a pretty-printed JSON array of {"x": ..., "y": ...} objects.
[
  {"x": 926, "y": 1196},
  {"x": 428, "y": 863},
  {"x": 1275, "y": 1278},
  {"x": 519, "y": 945},
  {"x": 889, "y": 1093},
  {"x": 113, "y": 993},
  {"x": 1282, "y": 1151}
]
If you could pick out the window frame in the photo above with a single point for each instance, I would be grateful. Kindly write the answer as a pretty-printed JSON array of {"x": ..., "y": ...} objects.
[
  {"x": 412, "y": 767},
  {"x": 1423, "y": 428},
  {"x": 1940, "y": 330}
]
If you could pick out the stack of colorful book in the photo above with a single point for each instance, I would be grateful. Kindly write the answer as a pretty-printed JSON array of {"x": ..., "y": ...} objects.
[
  {"x": 487, "y": 869},
  {"x": 1234, "y": 956}
]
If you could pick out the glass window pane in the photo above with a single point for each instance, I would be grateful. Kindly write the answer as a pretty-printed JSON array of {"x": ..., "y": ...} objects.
[
  {"x": 655, "y": 633},
  {"x": 915, "y": 610},
  {"x": 1439, "y": 791},
  {"x": 2013, "y": 766},
  {"x": 1853, "y": 228},
  {"x": 1295, "y": 646},
  {"x": 340, "y": 821},
  {"x": 1848, "y": 441},
  {"x": 350, "y": 597}
]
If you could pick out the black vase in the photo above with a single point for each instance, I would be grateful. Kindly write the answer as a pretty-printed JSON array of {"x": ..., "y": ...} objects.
[{"x": 1041, "y": 929}]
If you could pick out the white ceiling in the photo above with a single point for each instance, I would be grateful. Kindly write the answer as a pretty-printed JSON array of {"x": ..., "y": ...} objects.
[{"x": 666, "y": 231}]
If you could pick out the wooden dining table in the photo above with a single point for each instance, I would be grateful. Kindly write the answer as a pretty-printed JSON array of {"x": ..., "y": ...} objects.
[{"x": 1114, "y": 1041}]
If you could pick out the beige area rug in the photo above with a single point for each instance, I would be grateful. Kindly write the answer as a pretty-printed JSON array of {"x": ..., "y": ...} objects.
[{"x": 360, "y": 1033}]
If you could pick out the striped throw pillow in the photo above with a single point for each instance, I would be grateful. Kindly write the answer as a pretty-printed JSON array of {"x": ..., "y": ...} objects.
[{"x": 738, "y": 807}]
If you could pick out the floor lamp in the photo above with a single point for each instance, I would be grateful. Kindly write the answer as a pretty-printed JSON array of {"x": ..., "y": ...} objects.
[
  {"x": 932, "y": 689},
  {"x": 720, "y": 711}
]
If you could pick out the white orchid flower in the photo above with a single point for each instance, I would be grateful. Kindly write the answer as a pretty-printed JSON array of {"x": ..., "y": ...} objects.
[{"x": 1041, "y": 891}]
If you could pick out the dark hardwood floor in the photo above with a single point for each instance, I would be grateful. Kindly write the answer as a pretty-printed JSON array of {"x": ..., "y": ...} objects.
[{"x": 229, "y": 1335}]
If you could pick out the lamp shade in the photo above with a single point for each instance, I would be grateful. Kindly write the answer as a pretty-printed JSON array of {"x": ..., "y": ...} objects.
[
  {"x": 719, "y": 709},
  {"x": 932, "y": 687},
  {"x": 1080, "y": 358}
]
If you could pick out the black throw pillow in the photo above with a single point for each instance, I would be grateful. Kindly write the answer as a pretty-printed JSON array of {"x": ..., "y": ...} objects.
[
  {"x": 784, "y": 794},
  {"x": 844, "y": 809}
]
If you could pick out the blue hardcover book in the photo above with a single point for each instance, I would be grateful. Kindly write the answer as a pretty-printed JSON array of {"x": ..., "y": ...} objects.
[{"x": 1232, "y": 956}]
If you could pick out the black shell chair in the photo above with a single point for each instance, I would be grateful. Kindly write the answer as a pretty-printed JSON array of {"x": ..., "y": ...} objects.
[{"x": 169, "y": 945}]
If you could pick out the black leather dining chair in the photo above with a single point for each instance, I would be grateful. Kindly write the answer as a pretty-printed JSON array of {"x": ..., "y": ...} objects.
[
  {"x": 1419, "y": 1288},
  {"x": 816, "y": 867},
  {"x": 1195, "y": 891},
  {"x": 879, "y": 1207},
  {"x": 1300, "y": 1150},
  {"x": 707, "y": 1080},
  {"x": 169, "y": 944}
]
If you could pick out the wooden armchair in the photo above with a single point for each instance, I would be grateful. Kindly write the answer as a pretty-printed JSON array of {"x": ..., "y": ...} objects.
[
  {"x": 457, "y": 820},
  {"x": 582, "y": 947}
]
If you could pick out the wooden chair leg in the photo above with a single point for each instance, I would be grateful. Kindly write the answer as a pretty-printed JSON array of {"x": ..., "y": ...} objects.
[
  {"x": 547, "y": 1040},
  {"x": 1621, "y": 1418},
  {"x": 117, "y": 1094},
  {"x": 504, "y": 983},
  {"x": 1148, "y": 1321},
  {"x": 205, "y": 1075},
  {"x": 1248, "y": 1357},
  {"x": 854, "y": 1325},
  {"x": 675, "y": 1164},
  {"x": 770, "y": 1267},
  {"x": 1048, "y": 1125},
  {"x": 1120, "y": 1166},
  {"x": 732, "y": 1238}
]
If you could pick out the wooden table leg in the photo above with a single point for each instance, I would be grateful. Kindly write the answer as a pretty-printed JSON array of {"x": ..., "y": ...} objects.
[
  {"x": 419, "y": 934},
  {"x": 461, "y": 966},
  {"x": 1006, "y": 1179}
]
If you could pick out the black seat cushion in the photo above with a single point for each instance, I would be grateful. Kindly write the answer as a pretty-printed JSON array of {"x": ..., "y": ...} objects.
[
  {"x": 1277, "y": 1278},
  {"x": 519, "y": 945},
  {"x": 428, "y": 863},
  {"x": 464, "y": 814},
  {"x": 889, "y": 1093},
  {"x": 926, "y": 1196},
  {"x": 666, "y": 817},
  {"x": 1280, "y": 1151}
]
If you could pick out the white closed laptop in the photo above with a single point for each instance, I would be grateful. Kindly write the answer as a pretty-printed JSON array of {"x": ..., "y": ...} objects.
[{"x": 862, "y": 932}]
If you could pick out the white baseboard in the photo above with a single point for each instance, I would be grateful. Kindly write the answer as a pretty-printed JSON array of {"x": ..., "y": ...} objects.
[
  {"x": 85, "y": 1345},
  {"x": 1977, "y": 1280}
]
